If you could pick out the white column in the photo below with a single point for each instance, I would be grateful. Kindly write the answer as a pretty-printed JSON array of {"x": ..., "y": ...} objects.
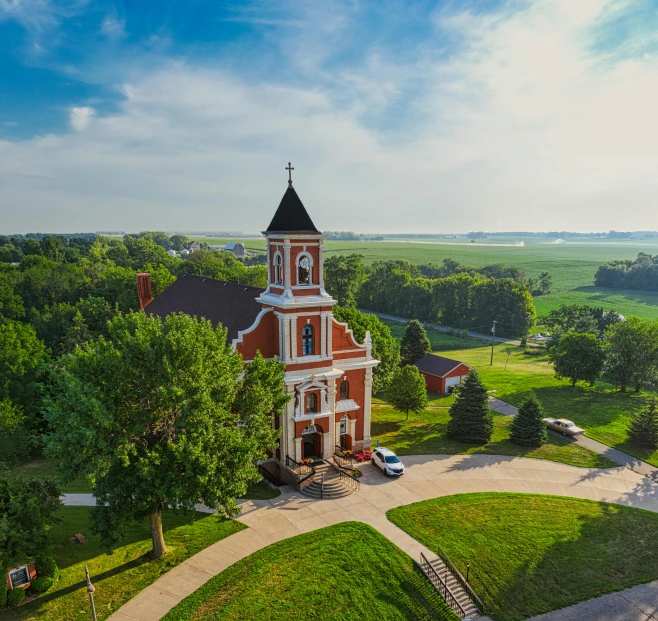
[
  {"x": 288, "y": 423},
  {"x": 293, "y": 337},
  {"x": 327, "y": 446},
  {"x": 286, "y": 267},
  {"x": 323, "y": 334},
  {"x": 285, "y": 338},
  {"x": 298, "y": 450},
  {"x": 269, "y": 265},
  {"x": 366, "y": 409},
  {"x": 331, "y": 406},
  {"x": 321, "y": 263},
  {"x": 330, "y": 346}
]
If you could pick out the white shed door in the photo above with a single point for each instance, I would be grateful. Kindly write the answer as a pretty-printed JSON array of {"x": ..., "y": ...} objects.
[{"x": 451, "y": 381}]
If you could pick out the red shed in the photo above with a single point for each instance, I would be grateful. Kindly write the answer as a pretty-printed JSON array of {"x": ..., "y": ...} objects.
[{"x": 441, "y": 373}]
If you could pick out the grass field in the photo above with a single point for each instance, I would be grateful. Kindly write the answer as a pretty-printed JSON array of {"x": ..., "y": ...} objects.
[
  {"x": 347, "y": 571},
  {"x": 531, "y": 554},
  {"x": 572, "y": 265},
  {"x": 426, "y": 435},
  {"x": 119, "y": 575},
  {"x": 440, "y": 341},
  {"x": 601, "y": 410}
]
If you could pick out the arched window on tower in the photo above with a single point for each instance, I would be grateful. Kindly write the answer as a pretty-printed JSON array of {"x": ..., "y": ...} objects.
[
  {"x": 344, "y": 390},
  {"x": 277, "y": 278},
  {"x": 311, "y": 403},
  {"x": 307, "y": 341},
  {"x": 304, "y": 271}
]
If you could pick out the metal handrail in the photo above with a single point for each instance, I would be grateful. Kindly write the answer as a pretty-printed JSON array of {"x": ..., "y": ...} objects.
[
  {"x": 268, "y": 476},
  {"x": 343, "y": 462},
  {"x": 345, "y": 476},
  {"x": 441, "y": 586},
  {"x": 301, "y": 471},
  {"x": 457, "y": 575}
]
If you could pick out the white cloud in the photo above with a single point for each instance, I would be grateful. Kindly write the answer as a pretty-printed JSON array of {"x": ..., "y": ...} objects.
[
  {"x": 80, "y": 117},
  {"x": 112, "y": 27},
  {"x": 524, "y": 127}
]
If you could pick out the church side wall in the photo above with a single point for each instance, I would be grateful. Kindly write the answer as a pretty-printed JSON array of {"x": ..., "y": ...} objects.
[{"x": 265, "y": 337}]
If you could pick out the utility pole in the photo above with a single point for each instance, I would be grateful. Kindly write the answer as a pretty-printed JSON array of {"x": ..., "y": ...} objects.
[
  {"x": 90, "y": 590},
  {"x": 493, "y": 340}
]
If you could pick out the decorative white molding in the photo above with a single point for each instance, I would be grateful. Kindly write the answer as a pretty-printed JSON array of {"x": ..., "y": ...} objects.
[
  {"x": 293, "y": 337},
  {"x": 350, "y": 332},
  {"x": 238, "y": 341}
]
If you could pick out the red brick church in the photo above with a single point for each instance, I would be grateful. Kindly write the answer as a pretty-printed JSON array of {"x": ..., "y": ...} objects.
[{"x": 327, "y": 373}]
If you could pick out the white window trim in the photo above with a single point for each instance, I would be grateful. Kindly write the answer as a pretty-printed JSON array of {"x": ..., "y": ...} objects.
[
  {"x": 277, "y": 255},
  {"x": 301, "y": 256}
]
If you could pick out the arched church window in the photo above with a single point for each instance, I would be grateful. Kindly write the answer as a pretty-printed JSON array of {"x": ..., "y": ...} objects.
[
  {"x": 344, "y": 389},
  {"x": 278, "y": 270},
  {"x": 311, "y": 403},
  {"x": 304, "y": 271},
  {"x": 307, "y": 341}
]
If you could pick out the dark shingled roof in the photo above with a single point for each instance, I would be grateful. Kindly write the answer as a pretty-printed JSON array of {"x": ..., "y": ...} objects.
[
  {"x": 291, "y": 216},
  {"x": 232, "y": 305},
  {"x": 437, "y": 365}
]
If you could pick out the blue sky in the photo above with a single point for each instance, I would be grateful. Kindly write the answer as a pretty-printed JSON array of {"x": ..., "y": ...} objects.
[{"x": 398, "y": 116}]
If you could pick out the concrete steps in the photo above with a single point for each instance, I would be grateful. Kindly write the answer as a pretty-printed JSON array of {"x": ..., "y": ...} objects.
[
  {"x": 333, "y": 487},
  {"x": 460, "y": 595}
]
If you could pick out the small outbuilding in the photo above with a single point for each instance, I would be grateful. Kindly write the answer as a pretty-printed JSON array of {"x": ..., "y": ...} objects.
[
  {"x": 237, "y": 248},
  {"x": 441, "y": 374}
]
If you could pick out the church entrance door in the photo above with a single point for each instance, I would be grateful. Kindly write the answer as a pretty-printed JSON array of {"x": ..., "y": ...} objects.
[{"x": 311, "y": 444}]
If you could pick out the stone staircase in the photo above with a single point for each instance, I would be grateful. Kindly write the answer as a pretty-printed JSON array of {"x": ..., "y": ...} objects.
[
  {"x": 333, "y": 487},
  {"x": 470, "y": 610}
]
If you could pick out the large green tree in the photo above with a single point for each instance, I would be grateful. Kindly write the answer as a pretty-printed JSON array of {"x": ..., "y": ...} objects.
[
  {"x": 384, "y": 346},
  {"x": 407, "y": 391},
  {"x": 578, "y": 357},
  {"x": 470, "y": 417},
  {"x": 415, "y": 343},
  {"x": 343, "y": 275},
  {"x": 644, "y": 427},
  {"x": 631, "y": 349},
  {"x": 160, "y": 414},
  {"x": 528, "y": 426}
]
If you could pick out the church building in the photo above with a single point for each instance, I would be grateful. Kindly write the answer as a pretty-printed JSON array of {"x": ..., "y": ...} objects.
[{"x": 327, "y": 372}]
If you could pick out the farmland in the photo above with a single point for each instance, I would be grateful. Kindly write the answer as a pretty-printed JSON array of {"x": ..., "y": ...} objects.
[{"x": 572, "y": 265}]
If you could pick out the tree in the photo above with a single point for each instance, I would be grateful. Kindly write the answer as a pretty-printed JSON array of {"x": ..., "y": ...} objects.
[
  {"x": 644, "y": 427},
  {"x": 528, "y": 426},
  {"x": 542, "y": 285},
  {"x": 178, "y": 242},
  {"x": 470, "y": 417},
  {"x": 14, "y": 436},
  {"x": 343, "y": 275},
  {"x": 28, "y": 507},
  {"x": 575, "y": 318},
  {"x": 415, "y": 343},
  {"x": 578, "y": 358},
  {"x": 407, "y": 391},
  {"x": 160, "y": 415},
  {"x": 631, "y": 348},
  {"x": 384, "y": 346}
]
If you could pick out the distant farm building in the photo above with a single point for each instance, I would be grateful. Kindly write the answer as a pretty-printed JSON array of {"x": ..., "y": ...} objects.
[
  {"x": 237, "y": 248},
  {"x": 441, "y": 374}
]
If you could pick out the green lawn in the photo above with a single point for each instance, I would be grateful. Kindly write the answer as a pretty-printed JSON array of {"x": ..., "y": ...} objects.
[
  {"x": 347, "y": 571},
  {"x": 121, "y": 574},
  {"x": 426, "y": 435},
  {"x": 531, "y": 554},
  {"x": 440, "y": 341},
  {"x": 602, "y": 411}
]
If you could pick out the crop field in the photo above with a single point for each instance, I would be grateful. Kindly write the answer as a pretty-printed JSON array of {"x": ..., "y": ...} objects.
[{"x": 572, "y": 265}]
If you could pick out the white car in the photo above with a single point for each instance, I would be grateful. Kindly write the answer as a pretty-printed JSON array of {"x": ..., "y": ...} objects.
[{"x": 388, "y": 461}]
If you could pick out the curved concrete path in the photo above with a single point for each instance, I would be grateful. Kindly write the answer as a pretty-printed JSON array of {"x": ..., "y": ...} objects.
[{"x": 427, "y": 476}]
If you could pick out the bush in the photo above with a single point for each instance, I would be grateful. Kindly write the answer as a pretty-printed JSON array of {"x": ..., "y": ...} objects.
[
  {"x": 42, "y": 584},
  {"x": 47, "y": 567},
  {"x": 15, "y": 597},
  {"x": 364, "y": 455},
  {"x": 3, "y": 592}
]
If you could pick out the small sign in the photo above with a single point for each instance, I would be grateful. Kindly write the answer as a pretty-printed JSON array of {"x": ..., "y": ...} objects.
[{"x": 19, "y": 577}]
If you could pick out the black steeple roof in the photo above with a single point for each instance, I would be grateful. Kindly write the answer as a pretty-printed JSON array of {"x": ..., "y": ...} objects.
[{"x": 291, "y": 216}]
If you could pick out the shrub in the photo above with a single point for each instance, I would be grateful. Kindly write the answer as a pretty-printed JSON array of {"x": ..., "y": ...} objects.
[
  {"x": 3, "y": 592},
  {"x": 42, "y": 584},
  {"x": 364, "y": 455},
  {"x": 15, "y": 597},
  {"x": 47, "y": 567}
]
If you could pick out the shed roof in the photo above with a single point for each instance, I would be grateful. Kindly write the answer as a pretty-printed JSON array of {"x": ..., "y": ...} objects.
[
  {"x": 291, "y": 216},
  {"x": 228, "y": 303},
  {"x": 437, "y": 365}
]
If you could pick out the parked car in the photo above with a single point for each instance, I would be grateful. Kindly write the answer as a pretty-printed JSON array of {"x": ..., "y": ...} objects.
[
  {"x": 564, "y": 426},
  {"x": 388, "y": 462}
]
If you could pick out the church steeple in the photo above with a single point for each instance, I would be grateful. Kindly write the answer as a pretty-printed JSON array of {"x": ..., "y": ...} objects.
[{"x": 291, "y": 216}]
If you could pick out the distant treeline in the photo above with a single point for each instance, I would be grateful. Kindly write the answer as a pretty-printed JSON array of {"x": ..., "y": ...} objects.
[
  {"x": 466, "y": 299},
  {"x": 640, "y": 274}
]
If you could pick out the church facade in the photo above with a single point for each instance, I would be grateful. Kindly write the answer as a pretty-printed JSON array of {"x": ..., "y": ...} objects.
[{"x": 328, "y": 374}]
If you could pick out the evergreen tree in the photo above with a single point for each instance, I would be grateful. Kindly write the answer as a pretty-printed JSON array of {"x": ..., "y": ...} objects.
[
  {"x": 470, "y": 418},
  {"x": 528, "y": 427},
  {"x": 415, "y": 343},
  {"x": 644, "y": 427},
  {"x": 407, "y": 392}
]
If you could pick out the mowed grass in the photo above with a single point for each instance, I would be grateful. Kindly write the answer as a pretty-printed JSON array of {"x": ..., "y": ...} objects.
[
  {"x": 530, "y": 554},
  {"x": 571, "y": 264},
  {"x": 426, "y": 435},
  {"x": 120, "y": 574},
  {"x": 440, "y": 341},
  {"x": 347, "y": 571},
  {"x": 603, "y": 411}
]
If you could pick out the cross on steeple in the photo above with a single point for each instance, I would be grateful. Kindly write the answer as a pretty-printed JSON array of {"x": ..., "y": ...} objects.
[{"x": 289, "y": 168}]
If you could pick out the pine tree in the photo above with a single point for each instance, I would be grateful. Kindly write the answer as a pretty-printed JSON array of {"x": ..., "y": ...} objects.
[
  {"x": 470, "y": 418},
  {"x": 415, "y": 343},
  {"x": 644, "y": 427},
  {"x": 528, "y": 427}
]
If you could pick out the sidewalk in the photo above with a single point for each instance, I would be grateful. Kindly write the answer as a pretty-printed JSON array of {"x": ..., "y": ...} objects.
[{"x": 619, "y": 457}]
